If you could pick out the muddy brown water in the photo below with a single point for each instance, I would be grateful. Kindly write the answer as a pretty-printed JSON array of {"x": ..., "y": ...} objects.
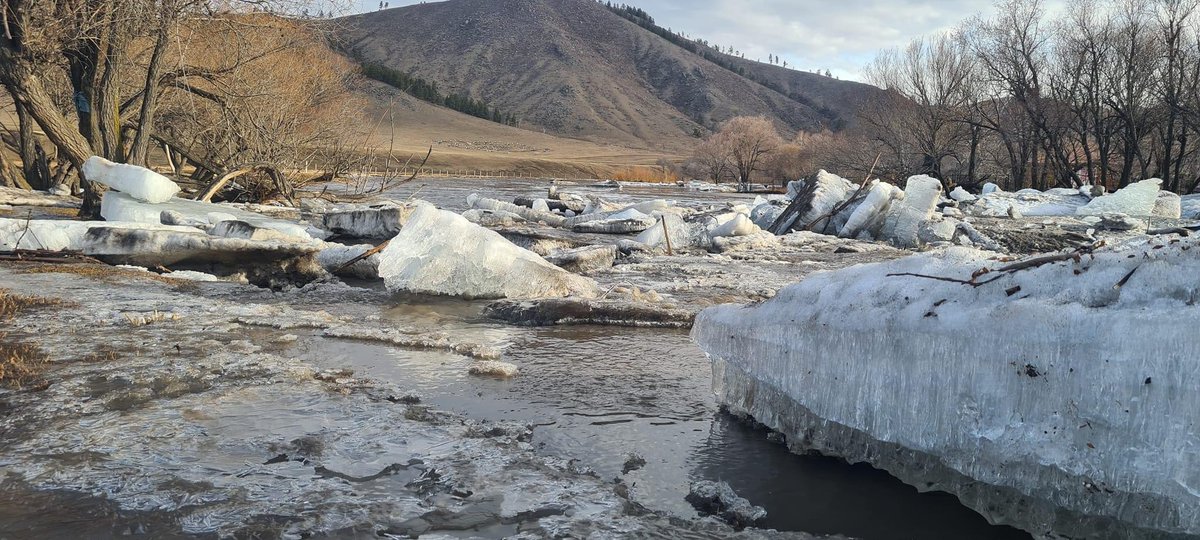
[{"x": 601, "y": 394}]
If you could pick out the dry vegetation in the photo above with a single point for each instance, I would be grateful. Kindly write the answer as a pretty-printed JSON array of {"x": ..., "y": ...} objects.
[
  {"x": 12, "y": 304},
  {"x": 210, "y": 87},
  {"x": 20, "y": 363},
  {"x": 103, "y": 272},
  {"x": 658, "y": 175}
]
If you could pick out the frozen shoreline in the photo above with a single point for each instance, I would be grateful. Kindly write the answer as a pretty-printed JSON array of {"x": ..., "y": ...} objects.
[
  {"x": 1055, "y": 398},
  {"x": 231, "y": 427}
]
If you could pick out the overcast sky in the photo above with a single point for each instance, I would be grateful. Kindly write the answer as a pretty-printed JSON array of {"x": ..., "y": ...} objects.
[{"x": 838, "y": 35}]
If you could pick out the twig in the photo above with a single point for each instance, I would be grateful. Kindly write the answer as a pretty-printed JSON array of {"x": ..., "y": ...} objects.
[
  {"x": 1038, "y": 261},
  {"x": 666, "y": 236},
  {"x": 1015, "y": 267},
  {"x": 415, "y": 192},
  {"x": 364, "y": 255},
  {"x": 1125, "y": 279},
  {"x": 28, "y": 218},
  {"x": 1170, "y": 230},
  {"x": 385, "y": 185},
  {"x": 4, "y": 17},
  {"x": 939, "y": 278}
]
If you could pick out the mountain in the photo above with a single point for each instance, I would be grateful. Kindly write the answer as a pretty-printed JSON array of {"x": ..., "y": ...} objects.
[{"x": 577, "y": 69}]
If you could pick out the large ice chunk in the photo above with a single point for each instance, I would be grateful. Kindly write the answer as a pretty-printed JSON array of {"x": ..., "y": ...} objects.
[
  {"x": 961, "y": 195},
  {"x": 138, "y": 182},
  {"x": 623, "y": 222},
  {"x": 678, "y": 233},
  {"x": 872, "y": 210},
  {"x": 827, "y": 190},
  {"x": 380, "y": 221},
  {"x": 1133, "y": 200},
  {"x": 484, "y": 203},
  {"x": 440, "y": 252},
  {"x": 740, "y": 225},
  {"x": 921, "y": 195},
  {"x": 1053, "y": 398},
  {"x": 335, "y": 256},
  {"x": 61, "y": 234},
  {"x": 123, "y": 207},
  {"x": 1168, "y": 205},
  {"x": 1190, "y": 206}
]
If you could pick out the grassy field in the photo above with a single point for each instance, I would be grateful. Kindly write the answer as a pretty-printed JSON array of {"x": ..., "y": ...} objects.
[{"x": 405, "y": 128}]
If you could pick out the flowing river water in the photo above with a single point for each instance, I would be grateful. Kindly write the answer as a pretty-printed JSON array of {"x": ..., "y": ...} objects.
[{"x": 601, "y": 394}]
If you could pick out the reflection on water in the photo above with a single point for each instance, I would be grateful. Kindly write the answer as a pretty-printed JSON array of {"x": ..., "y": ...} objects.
[{"x": 600, "y": 394}]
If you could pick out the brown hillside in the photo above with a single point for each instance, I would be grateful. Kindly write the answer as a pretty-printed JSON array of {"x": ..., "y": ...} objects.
[
  {"x": 575, "y": 69},
  {"x": 407, "y": 126}
]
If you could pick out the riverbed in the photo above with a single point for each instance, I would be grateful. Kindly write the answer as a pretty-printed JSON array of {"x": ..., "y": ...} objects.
[{"x": 236, "y": 412}]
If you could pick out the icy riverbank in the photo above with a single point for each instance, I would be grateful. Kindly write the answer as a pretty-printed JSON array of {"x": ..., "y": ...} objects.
[
  {"x": 195, "y": 415},
  {"x": 1056, "y": 397}
]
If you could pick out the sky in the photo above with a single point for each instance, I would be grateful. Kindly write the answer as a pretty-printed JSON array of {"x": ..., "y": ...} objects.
[{"x": 841, "y": 36}]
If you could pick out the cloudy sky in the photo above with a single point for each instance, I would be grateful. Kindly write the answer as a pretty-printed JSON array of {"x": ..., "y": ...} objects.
[{"x": 838, "y": 35}]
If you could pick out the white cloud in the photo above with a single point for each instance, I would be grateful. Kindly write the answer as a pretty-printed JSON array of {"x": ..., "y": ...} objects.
[{"x": 841, "y": 36}]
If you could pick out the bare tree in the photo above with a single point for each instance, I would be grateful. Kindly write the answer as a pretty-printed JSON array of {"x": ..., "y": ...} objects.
[
  {"x": 119, "y": 61},
  {"x": 711, "y": 159},
  {"x": 747, "y": 140},
  {"x": 932, "y": 73}
]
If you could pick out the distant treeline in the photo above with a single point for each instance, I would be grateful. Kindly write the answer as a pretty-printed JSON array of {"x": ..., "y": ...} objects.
[
  {"x": 428, "y": 91},
  {"x": 639, "y": 17}
]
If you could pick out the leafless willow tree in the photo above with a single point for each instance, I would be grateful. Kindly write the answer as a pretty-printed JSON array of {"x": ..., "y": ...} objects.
[
  {"x": 740, "y": 146},
  {"x": 934, "y": 73},
  {"x": 1106, "y": 94},
  {"x": 216, "y": 83}
]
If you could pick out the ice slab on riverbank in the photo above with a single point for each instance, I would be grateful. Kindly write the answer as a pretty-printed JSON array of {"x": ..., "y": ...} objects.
[
  {"x": 137, "y": 182},
  {"x": 123, "y": 207},
  {"x": 361, "y": 221},
  {"x": 63, "y": 235},
  {"x": 1136, "y": 200},
  {"x": 23, "y": 197},
  {"x": 1028, "y": 203},
  {"x": 1059, "y": 398},
  {"x": 440, "y": 252}
]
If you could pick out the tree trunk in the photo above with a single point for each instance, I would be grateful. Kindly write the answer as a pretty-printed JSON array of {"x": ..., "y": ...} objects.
[
  {"x": 108, "y": 102},
  {"x": 27, "y": 88},
  {"x": 141, "y": 140},
  {"x": 26, "y": 144}
]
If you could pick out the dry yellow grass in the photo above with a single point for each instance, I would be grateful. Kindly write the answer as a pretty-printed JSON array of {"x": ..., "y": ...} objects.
[
  {"x": 20, "y": 363},
  {"x": 12, "y": 304},
  {"x": 655, "y": 175}
]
